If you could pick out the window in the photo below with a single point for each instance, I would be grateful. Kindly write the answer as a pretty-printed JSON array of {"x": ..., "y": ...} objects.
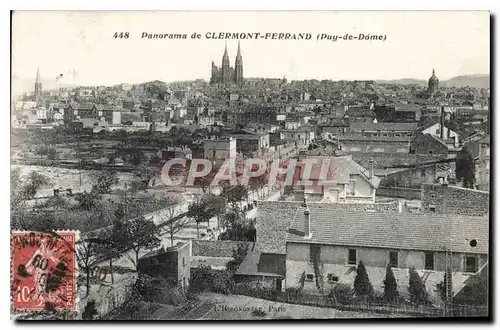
[
  {"x": 393, "y": 259},
  {"x": 429, "y": 260},
  {"x": 332, "y": 278},
  {"x": 351, "y": 260},
  {"x": 183, "y": 262},
  {"x": 470, "y": 264},
  {"x": 422, "y": 173},
  {"x": 430, "y": 152},
  {"x": 432, "y": 208},
  {"x": 310, "y": 277}
]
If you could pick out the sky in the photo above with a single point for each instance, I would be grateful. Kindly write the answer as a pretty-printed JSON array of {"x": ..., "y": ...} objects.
[{"x": 80, "y": 45}]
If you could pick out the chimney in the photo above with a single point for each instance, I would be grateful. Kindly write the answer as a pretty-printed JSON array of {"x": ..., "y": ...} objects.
[
  {"x": 442, "y": 124},
  {"x": 307, "y": 219}
]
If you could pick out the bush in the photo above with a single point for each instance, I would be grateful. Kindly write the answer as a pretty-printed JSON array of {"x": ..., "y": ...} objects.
[
  {"x": 390, "y": 285},
  {"x": 418, "y": 293},
  {"x": 203, "y": 278},
  {"x": 90, "y": 311},
  {"x": 158, "y": 290},
  {"x": 362, "y": 284}
]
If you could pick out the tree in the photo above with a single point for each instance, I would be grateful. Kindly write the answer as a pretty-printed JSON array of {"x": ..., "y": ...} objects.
[
  {"x": 234, "y": 194},
  {"x": 239, "y": 254},
  {"x": 136, "y": 156},
  {"x": 418, "y": 293},
  {"x": 34, "y": 182},
  {"x": 110, "y": 246},
  {"x": 88, "y": 201},
  {"x": 90, "y": 311},
  {"x": 362, "y": 285},
  {"x": 86, "y": 256},
  {"x": 154, "y": 160},
  {"x": 200, "y": 212},
  {"x": 169, "y": 218},
  {"x": 390, "y": 285},
  {"x": 103, "y": 180},
  {"x": 216, "y": 205},
  {"x": 142, "y": 234}
]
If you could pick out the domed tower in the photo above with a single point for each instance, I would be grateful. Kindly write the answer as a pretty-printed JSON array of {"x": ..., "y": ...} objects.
[{"x": 433, "y": 83}]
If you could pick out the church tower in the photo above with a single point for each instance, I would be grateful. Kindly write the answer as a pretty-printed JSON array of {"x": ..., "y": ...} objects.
[
  {"x": 215, "y": 74},
  {"x": 433, "y": 85},
  {"x": 238, "y": 67},
  {"x": 226, "y": 70},
  {"x": 38, "y": 84}
]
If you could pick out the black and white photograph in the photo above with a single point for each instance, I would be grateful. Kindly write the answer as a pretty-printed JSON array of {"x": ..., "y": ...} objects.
[{"x": 250, "y": 165}]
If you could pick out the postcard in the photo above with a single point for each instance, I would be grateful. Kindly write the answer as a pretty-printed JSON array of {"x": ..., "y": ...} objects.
[{"x": 250, "y": 165}]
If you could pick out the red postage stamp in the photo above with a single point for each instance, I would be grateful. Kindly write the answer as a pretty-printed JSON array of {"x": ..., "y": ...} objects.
[{"x": 44, "y": 271}]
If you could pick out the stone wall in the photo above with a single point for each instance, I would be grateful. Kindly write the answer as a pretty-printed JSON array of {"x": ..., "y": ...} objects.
[
  {"x": 216, "y": 248},
  {"x": 455, "y": 200},
  {"x": 381, "y": 160},
  {"x": 406, "y": 193}
]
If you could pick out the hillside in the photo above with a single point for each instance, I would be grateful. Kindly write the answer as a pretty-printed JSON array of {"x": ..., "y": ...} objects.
[{"x": 476, "y": 80}]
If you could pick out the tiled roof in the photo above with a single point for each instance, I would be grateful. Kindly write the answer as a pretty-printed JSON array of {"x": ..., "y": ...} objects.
[
  {"x": 273, "y": 220},
  {"x": 412, "y": 231},
  {"x": 341, "y": 167},
  {"x": 262, "y": 264},
  {"x": 384, "y": 126},
  {"x": 85, "y": 106}
]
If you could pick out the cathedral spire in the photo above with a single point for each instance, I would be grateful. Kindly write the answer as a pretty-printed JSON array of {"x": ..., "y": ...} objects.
[
  {"x": 37, "y": 81},
  {"x": 225, "y": 56},
  {"x": 238, "y": 54},
  {"x": 38, "y": 84}
]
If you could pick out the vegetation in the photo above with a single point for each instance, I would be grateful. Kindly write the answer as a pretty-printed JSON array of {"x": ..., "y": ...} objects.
[
  {"x": 390, "y": 285},
  {"x": 200, "y": 211},
  {"x": 362, "y": 285},
  {"x": 90, "y": 311},
  {"x": 140, "y": 234},
  {"x": 239, "y": 254},
  {"x": 418, "y": 293},
  {"x": 103, "y": 180}
]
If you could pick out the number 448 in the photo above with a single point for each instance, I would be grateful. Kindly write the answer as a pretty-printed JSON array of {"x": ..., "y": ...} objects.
[{"x": 121, "y": 35}]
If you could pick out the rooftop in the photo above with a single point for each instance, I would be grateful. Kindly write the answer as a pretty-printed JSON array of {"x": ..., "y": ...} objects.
[
  {"x": 410, "y": 231},
  {"x": 384, "y": 126}
]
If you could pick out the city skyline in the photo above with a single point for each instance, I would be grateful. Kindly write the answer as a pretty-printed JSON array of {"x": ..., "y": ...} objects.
[{"x": 87, "y": 48}]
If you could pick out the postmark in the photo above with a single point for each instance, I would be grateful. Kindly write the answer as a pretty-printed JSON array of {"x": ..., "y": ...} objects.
[{"x": 44, "y": 271}]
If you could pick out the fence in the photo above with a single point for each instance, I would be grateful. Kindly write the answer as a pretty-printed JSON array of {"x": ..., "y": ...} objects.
[{"x": 365, "y": 306}]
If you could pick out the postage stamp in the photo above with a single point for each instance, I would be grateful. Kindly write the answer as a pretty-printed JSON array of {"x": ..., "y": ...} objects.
[{"x": 44, "y": 271}]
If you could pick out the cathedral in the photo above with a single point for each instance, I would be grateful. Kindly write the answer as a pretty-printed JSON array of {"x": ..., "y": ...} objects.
[{"x": 226, "y": 74}]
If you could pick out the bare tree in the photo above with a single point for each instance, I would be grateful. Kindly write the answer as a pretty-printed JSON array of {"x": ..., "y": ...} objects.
[
  {"x": 86, "y": 256},
  {"x": 169, "y": 217}
]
